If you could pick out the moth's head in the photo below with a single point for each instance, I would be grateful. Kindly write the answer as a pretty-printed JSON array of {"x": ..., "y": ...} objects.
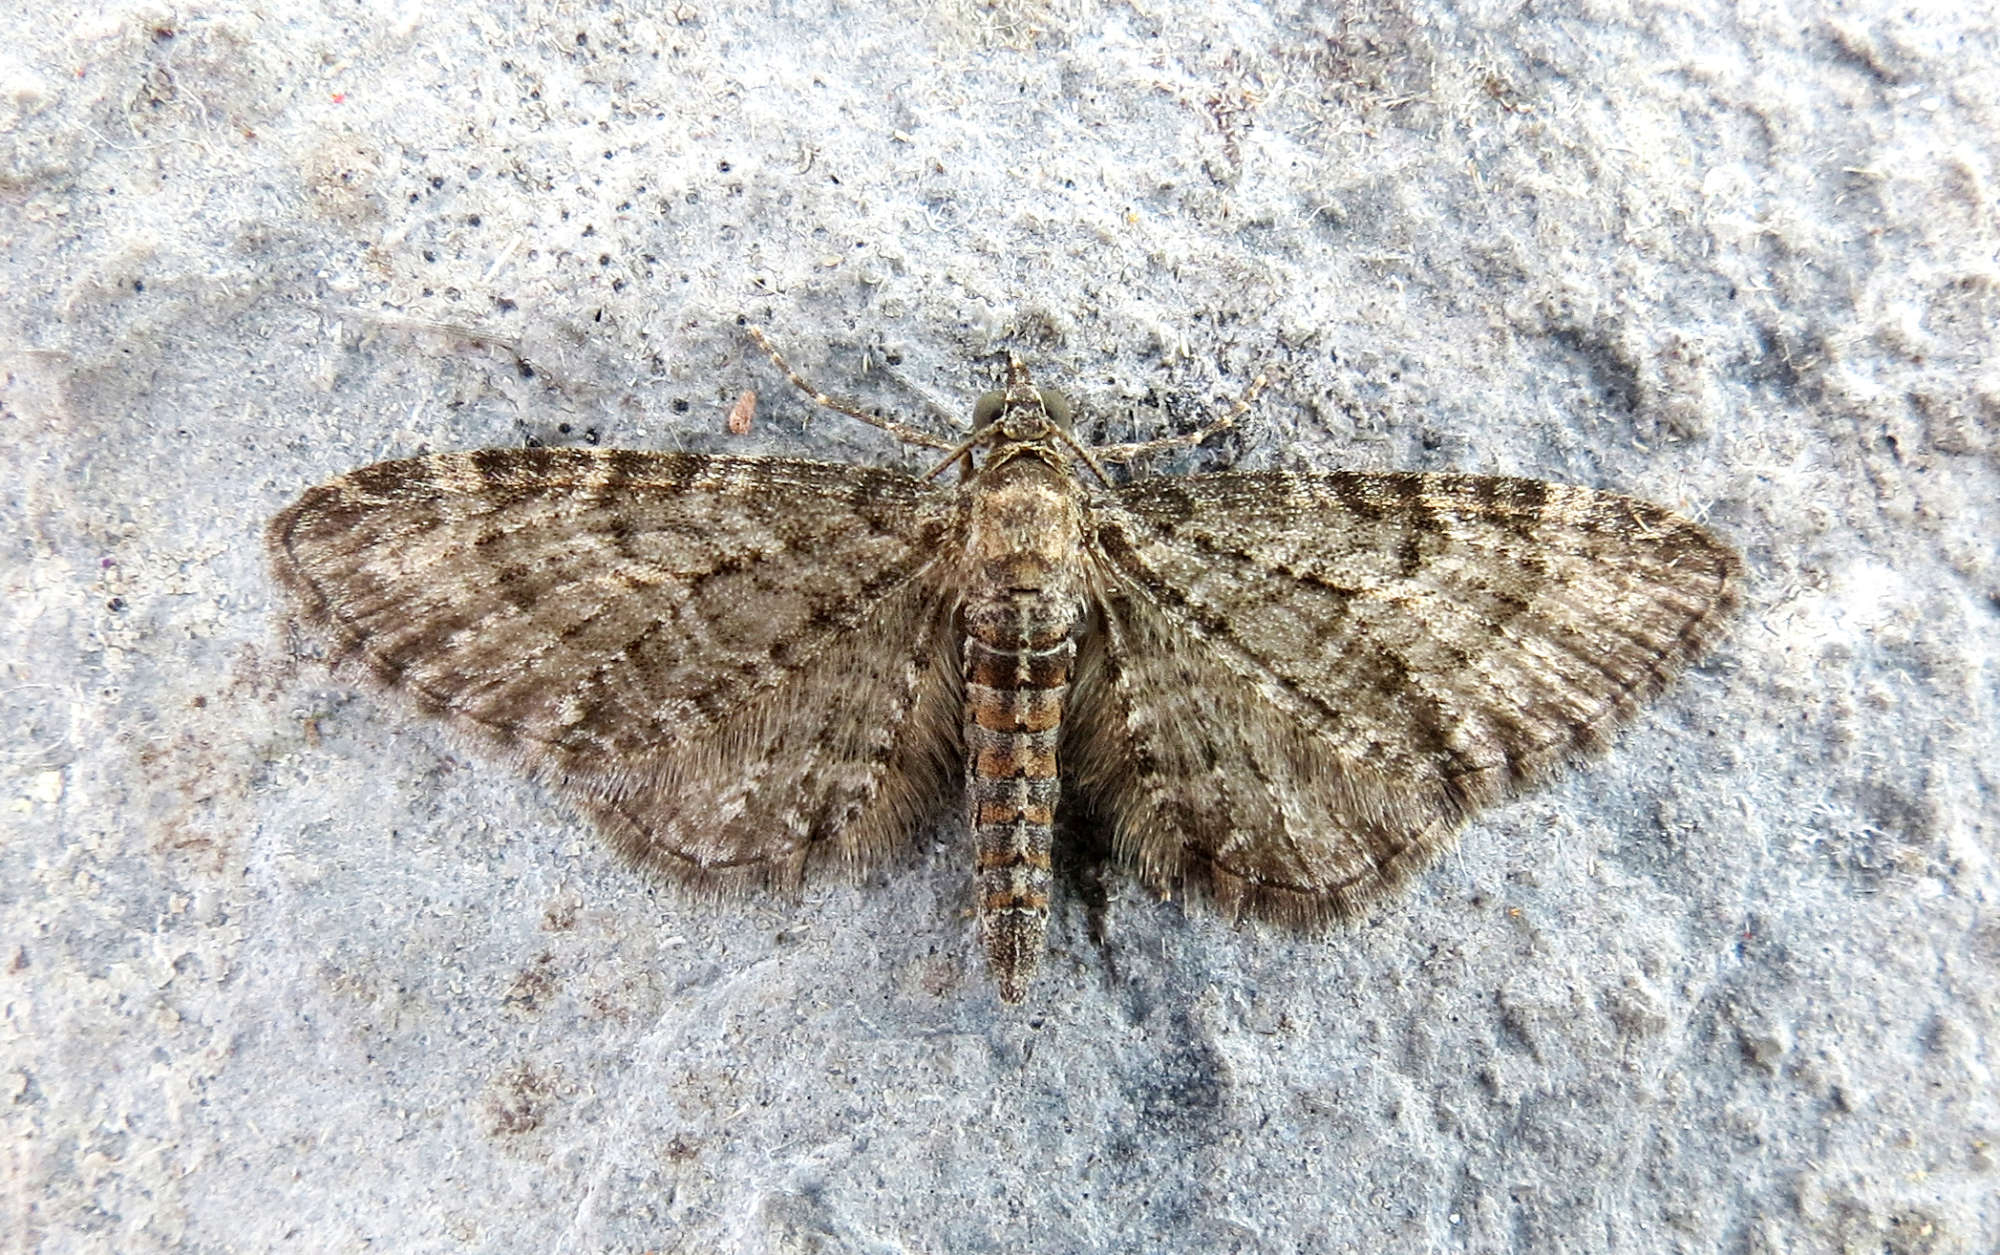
[{"x": 1021, "y": 411}]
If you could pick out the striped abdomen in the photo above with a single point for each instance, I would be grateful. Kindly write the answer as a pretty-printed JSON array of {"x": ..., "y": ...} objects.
[
  {"x": 1019, "y": 651},
  {"x": 1024, "y": 606}
]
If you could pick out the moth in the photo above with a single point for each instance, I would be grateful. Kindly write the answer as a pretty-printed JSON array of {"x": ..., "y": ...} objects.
[{"x": 1287, "y": 692}]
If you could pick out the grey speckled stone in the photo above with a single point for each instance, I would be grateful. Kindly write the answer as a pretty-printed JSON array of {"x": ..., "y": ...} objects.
[{"x": 284, "y": 968}]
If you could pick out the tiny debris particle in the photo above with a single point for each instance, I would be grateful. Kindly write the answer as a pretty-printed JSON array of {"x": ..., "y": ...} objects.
[{"x": 742, "y": 413}]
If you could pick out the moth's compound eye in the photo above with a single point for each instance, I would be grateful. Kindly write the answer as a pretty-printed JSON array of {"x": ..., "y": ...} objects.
[
  {"x": 986, "y": 409},
  {"x": 1057, "y": 406}
]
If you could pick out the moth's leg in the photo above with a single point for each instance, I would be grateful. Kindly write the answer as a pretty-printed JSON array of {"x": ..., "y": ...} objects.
[
  {"x": 947, "y": 416},
  {"x": 901, "y": 431},
  {"x": 1139, "y": 449}
]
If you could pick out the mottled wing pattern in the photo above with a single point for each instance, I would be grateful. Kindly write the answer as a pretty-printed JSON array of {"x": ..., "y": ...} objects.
[
  {"x": 1301, "y": 685},
  {"x": 739, "y": 667}
]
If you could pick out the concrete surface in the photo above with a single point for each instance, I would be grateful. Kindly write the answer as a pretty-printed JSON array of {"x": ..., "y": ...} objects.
[{"x": 284, "y": 969}]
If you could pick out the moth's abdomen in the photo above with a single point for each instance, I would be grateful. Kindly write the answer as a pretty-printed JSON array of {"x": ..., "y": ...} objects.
[
  {"x": 1019, "y": 652},
  {"x": 1022, "y": 611}
]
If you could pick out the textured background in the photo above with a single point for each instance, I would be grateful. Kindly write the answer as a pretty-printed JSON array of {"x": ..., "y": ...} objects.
[{"x": 281, "y": 966}]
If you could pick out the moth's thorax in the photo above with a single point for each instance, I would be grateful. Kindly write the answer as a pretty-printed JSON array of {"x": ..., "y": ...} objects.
[{"x": 1024, "y": 531}]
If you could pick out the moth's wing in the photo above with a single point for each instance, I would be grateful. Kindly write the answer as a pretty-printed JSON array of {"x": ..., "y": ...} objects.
[
  {"x": 733, "y": 664},
  {"x": 1301, "y": 685}
]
